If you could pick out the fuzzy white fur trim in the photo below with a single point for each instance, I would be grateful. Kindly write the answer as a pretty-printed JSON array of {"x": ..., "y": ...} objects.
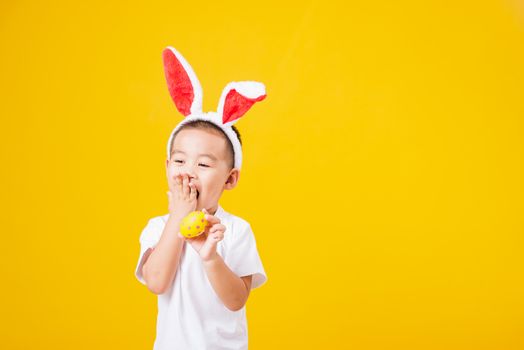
[{"x": 249, "y": 89}]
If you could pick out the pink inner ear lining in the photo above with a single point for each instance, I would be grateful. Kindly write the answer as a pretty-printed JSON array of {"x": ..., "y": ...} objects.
[
  {"x": 178, "y": 83},
  {"x": 236, "y": 105}
]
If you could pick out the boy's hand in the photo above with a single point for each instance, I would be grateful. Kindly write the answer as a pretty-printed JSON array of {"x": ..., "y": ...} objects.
[
  {"x": 181, "y": 195},
  {"x": 206, "y": 243}
]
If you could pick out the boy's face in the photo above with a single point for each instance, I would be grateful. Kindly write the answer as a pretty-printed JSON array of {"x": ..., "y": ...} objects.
[{"x": 202, "y": 155}]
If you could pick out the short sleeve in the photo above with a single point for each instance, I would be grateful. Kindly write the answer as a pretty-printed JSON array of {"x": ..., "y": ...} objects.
[
  {"x": 148, "y": 240},
  {"x": 242, "y": 256}
]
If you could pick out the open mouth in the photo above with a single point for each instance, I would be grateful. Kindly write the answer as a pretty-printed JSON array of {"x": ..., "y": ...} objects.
[{"x": 198, "y": 194}]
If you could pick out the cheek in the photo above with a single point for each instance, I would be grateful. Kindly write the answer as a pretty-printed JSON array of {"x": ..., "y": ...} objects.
[
  {"x": 171, "y": 170},
  {"x": 211, "y": 182}
]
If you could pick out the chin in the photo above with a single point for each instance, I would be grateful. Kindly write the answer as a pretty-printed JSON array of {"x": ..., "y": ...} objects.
[{"x": 200, "y": 205}]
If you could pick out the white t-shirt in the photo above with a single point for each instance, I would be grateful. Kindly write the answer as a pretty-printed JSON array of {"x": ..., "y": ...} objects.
[{"x": 190, "y": 314}]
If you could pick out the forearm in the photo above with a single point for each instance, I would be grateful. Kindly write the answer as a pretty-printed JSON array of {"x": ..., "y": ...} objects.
[
  {"x": 162, "y": 264},
  {"x": 230, "y": 288}
]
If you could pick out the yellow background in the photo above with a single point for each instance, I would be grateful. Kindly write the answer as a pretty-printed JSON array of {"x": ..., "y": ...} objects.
[{"x": 383, "y": 174}]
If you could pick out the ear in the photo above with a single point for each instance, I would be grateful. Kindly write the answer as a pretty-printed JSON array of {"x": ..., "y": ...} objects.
[
  {"x": 232, "y": 180},
  {"x": 182, "y": 83},
  {"x": 237, "y": 98},
  {"x": 167, "y": 167}
]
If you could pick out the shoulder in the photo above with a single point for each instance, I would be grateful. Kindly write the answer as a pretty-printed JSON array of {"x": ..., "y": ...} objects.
[
  {"x": 153, "y": 228},
  {"x": 233, "y": 220},
  {"x": 237, "y": 226},
  {"x": 159, "y": 220}
]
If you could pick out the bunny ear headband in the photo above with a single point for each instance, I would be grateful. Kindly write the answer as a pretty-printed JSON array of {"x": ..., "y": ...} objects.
[{"x": 185, "y": 90}]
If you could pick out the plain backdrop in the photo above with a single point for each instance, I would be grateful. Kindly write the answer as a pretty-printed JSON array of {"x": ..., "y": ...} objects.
[{"x": 382, "y": 176}]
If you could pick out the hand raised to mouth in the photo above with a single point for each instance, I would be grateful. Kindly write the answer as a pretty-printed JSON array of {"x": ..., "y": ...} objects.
[{"x": 182, "y": 194}]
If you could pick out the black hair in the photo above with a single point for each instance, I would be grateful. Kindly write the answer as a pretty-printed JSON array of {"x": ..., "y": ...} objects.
[{"x": 206, "y": 125}]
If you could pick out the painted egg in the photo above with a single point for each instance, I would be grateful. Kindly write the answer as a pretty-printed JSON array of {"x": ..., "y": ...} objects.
[{"x": 193, "y": 224}]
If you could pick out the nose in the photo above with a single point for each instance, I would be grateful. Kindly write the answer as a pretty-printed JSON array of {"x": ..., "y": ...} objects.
[
  {"x": 187, "y": 168},
  {"x": 189, "y": 173}
]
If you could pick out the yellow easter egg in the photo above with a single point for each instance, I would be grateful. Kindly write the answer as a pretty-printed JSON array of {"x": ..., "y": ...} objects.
[{"x": 193, "y": 224}]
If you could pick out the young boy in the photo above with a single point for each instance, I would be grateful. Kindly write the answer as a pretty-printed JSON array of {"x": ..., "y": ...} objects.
[{"x": 202, "y": 283}]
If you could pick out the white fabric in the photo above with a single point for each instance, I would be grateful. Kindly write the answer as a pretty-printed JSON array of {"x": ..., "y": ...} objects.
[{"x": 190, "y": 314}]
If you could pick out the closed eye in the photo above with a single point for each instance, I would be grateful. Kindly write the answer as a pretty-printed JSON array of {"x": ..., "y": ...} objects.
[{"x": 202, "y": 164}]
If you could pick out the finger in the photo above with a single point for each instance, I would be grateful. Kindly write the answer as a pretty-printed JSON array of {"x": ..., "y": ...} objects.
[
  {"x": 185, "y": 187},
  {"x": 217, "y": 237},
  {"x": 212, "y": 219},
  {"x": 217, "y": 227},
  {"x": 192, "y": 192},
  {"x": 178, "y": 183}
]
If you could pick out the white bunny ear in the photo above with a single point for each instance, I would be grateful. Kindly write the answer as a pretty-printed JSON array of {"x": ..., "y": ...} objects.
[
  {"x": 237, "y": 98},
  {"x": 183, "y": 85}
]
